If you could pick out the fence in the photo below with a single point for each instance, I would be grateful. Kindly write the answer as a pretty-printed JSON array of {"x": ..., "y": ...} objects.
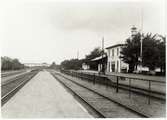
[{"x": 117, "y": 81}]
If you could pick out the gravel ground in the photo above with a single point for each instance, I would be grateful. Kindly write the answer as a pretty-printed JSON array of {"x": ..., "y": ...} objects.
[{"x": 155, "y": 109}]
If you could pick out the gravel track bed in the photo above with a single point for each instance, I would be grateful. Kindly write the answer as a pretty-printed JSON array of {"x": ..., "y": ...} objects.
[
  {"x": 155, "y": 109},
  {"x": 108, "y": 108}
]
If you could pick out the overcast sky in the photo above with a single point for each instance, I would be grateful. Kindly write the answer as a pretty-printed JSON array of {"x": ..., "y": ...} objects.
[{"x": 45, "y": 31}]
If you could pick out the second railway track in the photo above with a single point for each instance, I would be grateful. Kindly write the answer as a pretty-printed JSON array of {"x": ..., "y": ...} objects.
[
  {"x": 9, "y": 88},
  {"x": 10, "y": 74},
  {"x": 103, "y": 106}
]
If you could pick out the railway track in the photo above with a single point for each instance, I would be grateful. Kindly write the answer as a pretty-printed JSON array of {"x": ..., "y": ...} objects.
[
  {"x": 15, "y": 78},
  {"x": 9, "y": 88},
  {"x": 10, "y": 74},
  {"x": 102, "y": 105}
]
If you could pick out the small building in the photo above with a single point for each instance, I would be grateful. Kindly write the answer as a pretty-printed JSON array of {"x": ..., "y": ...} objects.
[
  {"x": 85, "y": 66},
  {"x": 114, "y": 62},
  {"x": 101, "y": 63}
]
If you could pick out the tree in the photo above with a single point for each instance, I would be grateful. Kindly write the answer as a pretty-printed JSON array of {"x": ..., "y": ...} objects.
[
  {"x": 16, "y": 64},
  {"x": 10, "y": 64},
  {"x": 162, "y": 53},
  {"x": 74, "y": 64},
  {"x": 153, "y": 54},
  {"x": 150, "y": 56},
  {"x": 54, "y": 66},
  {"x": 131, "y": 52},
  {"x": 96, "y": 52}
]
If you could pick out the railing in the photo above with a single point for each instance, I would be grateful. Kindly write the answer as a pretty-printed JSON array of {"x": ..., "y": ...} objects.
[{"x": 117, "y": 81}]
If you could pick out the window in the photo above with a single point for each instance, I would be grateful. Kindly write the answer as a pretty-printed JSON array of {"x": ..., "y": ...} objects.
[
  {"x": 117, "y": 51},
  {"x": 109, "y": 53},
  {"x": 117, "y": 66},
  {"x": 108, "y": 66},
  {"x": 113, "y": 52},
  {"x": 113, "y": 66}
]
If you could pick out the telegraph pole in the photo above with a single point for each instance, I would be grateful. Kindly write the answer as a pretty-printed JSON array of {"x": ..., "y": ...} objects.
[
  {"x": 141, "y": 40},
  {"x": 78, "y": 54},
  {"x": 103, "y": 69},
  {"x": 103, "y": 43}
]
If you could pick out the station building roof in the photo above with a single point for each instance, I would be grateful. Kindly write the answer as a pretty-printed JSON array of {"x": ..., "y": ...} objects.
[
  {"x": 99, "y": 58},
  {"x": 113, "y": 46}
]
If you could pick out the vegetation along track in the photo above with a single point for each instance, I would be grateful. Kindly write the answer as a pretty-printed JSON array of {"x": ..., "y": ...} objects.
[
  {"x": 104, "y": 106},
  {"x": 11, "y": 87}
]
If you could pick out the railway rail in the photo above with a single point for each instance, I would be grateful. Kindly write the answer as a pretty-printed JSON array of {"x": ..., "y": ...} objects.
[
  {"x": 9, "y": 88},
  {"x": 104, "y": 106}
]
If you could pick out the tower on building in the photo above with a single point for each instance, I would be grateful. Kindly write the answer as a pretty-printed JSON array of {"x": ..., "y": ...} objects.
[{"x": 133, "y": 31}]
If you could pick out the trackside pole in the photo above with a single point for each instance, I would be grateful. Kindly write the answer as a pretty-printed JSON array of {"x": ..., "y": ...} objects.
[{"x": 117, "y": 85}]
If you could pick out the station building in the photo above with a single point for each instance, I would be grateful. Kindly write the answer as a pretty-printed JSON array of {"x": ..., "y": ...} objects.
[
  {"x": 100, "y": 61},
  {"x": 85, "y": 66},
  {"x": 114, "y": 62},
  {"x": 111, "y": 61},
  {"x": 97, "y": 62}
]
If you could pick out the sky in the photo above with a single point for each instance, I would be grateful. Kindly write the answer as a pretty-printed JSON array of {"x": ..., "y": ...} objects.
[{"x": 51, "y": 30}]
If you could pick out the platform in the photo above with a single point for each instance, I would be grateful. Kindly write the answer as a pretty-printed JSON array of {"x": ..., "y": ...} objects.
[
  {"x": 43, "y": 97},
  {"x": 158, "y": 86}
]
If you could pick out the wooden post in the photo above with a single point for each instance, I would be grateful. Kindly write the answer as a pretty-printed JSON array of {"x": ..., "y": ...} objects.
[
  {"x": 149, "y": 92},
  {"x": 106, "y": 82},
  {"x": 81, "y": 75},
  {"x": 129, "y": 88},
  {"x": 94, "y": 79},
  {"x": 117, "y": 85}
]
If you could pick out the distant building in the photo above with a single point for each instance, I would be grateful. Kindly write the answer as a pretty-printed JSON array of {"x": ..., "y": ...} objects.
[
  {"x": 85, "y": 66},
  {"x": 36, "y": 64},
  {"x": 114, "y": 62}
]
